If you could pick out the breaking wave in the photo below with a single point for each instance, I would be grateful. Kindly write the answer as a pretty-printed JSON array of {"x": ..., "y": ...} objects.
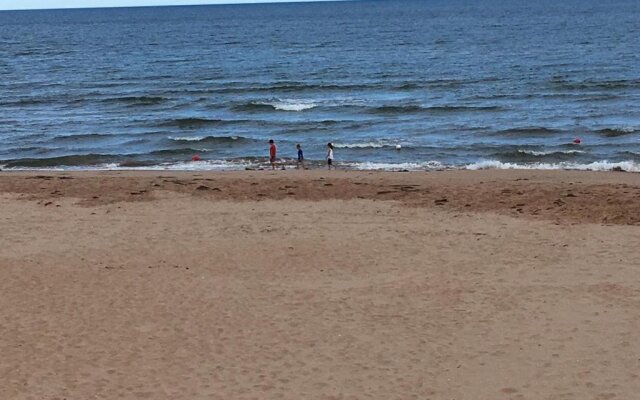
[
  {"x": 378, "y": 144},
  {"x": 408, "y": 166},
  {"x": 550, "y": 153},
  {"x": 257, "y": 106},
  {"x": 210, "y": 139},
  {"x": 183, "y": 151},
  {"x": 628, "y": 166},
  {"x": 615, "y": 132},
  {"x": 524, "y": 155},
  {"x": 88, "y": 160}
]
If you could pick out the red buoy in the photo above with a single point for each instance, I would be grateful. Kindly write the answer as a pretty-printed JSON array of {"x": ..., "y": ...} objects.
[
  {"x": 577, "y": 141},
  {"x": 195, "y": 157}
]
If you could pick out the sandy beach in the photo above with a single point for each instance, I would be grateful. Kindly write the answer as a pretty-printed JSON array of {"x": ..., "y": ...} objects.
[{"x": 319, "y": 285}]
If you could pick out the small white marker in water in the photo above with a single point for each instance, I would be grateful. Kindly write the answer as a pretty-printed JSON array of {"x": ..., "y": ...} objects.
[{"x": 398, "y": 147}]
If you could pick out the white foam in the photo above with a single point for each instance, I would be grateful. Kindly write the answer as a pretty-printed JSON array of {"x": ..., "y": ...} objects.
[
  {"x": 626, "y": 129},
  {"x": 308, "y": 104},
  {"x": 223, "y": 165},
  {"x": 411, "y": 166},
  {"x": 292, "y": 105},
  {"x": 367, "y": 145},
  {"x": 187, "y": 138},
  {"x": 61, "y": 168},
  {"x": 545, "y": 153},
  {"x": 200, "y": 138},
  {"x": 207, "y": 165},
  {"x": 630, "y": 166},
  {"x": 378, "y": 144}
]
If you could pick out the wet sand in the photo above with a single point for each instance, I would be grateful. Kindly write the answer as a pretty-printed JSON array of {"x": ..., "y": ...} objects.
[{"x": 319, "y": 285}]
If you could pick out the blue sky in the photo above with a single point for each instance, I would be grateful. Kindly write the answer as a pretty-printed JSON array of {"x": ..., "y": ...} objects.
[{"x": 35, "y": 4}]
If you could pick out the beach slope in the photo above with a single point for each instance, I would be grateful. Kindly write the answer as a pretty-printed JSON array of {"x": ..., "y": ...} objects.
[{"x": 318, "y": 285}]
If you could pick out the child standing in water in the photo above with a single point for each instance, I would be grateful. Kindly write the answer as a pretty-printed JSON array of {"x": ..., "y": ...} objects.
[
  {"x": 272, "y": 154},
  {"x": 330, "y": 156},
  {"x": 300, "y": 156}
]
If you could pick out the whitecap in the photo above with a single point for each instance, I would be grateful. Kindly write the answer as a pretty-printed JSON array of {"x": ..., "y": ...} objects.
[
  {"x": 550, "y": 152},
  {"x": 630, "y": 166},
  {"x": 410, "y": 166},
  {"x": 291, "y": 105},
  {"x": 187, "y": 138},
  {"x": 378, "y": 144}
]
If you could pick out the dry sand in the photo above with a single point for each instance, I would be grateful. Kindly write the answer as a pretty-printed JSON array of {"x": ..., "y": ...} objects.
[{"x": 317, "y": 285}]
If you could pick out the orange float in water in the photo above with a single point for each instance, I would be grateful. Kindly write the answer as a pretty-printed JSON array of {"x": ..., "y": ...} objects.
[{"x": 195, "y": 157}]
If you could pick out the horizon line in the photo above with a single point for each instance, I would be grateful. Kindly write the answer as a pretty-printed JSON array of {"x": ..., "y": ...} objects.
[{"x": 232, "y": 3}]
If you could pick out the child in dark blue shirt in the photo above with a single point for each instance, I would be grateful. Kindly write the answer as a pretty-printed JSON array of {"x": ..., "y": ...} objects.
[{"x": 300, "y": 156}]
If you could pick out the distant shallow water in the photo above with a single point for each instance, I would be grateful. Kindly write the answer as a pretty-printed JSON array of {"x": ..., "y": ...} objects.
[{"x": 456, "y": 84}]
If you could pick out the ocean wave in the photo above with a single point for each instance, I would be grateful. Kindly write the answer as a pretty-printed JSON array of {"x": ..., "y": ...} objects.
[
  {"x": 70, "y": 160},
  {"x": 242, "y": 87},
  {"x": 316, "y": 126},
  {"x": 524, "y": 155},
  {"x": 326, "y": 125},
  {"x": 455, "y": 83},
  {"x": 291, "y": 105},
  {"x": 633, "y": 154},
  {"x": 442, "y": 83},
  {"x": 629, "y": 166},
  {"x": 192, "y": 122},
  {"x": 597, "y": 85},
  {"x": 110, "y": 162},
  {"x": 416, "y": 109},
  {"x": 407, "y": 166},
  {"x": 602, "y": 97},
  {"x": 408, "y": 109},
  {"x": 46, "y": 51},
  {"x": 30, "y": 101},
  {"x": 291, "y": 87},
  {"x": 27, "y": 149},
  {"x": 620, "y": 131},
  {"x": 136, "y": 141},
  {"x": 131, "y": 164},
  {"x": 209, "y": 139},
  {"x": 82, "y": 136},
  {"x": 205, "y": 165},
  {"x": 136, "y": 100},
  {"x": 529, "y": 131},
  {"x": 378, "y": 144},
  {"x": 408, "y": 86},
  {"x": 188, "y": 138},
  {"x": 175, "y": 152},
  {"x": 294, "y": 106},
  {"x": 550, "y": 152},
  {"x": 89, "y": 161},
  {"x": 531, "y": 156}
]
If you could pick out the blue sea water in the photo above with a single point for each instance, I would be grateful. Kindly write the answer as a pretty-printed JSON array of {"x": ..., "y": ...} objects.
[{"x": 461, "y": 84}]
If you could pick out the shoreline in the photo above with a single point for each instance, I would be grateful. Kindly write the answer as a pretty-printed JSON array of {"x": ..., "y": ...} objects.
[
  {"x": 565, "y": 196},
  {"x": 251, "y": 164}
]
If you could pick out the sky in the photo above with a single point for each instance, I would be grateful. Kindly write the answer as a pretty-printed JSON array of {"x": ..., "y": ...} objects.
[{"x": 36, "y": 4}]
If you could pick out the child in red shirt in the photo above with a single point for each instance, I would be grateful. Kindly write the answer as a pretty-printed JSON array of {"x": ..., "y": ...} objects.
[{"x": 272, "y": 154}]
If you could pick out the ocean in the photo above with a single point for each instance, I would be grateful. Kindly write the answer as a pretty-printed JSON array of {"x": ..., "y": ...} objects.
[{"x": 457, "y": 84}]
